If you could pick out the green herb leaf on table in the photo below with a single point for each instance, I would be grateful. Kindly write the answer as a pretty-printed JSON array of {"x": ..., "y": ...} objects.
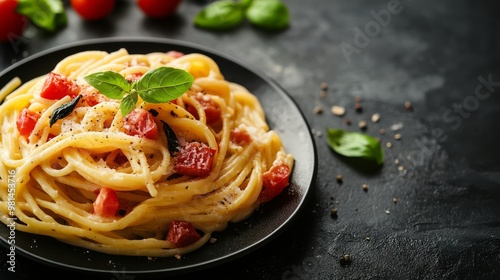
[
  {"x": 158, "y": 85},
  {"x": 269, "y": 14},
  {"x": 223, "y": 14},
  {"x": 46, "y": 14},
  {"x": 228, "y": 14},
  {"x": 355, "y": 144}
]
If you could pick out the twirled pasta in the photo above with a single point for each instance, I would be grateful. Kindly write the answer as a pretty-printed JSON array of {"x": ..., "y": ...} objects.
[{"x": 51, "y": 178}]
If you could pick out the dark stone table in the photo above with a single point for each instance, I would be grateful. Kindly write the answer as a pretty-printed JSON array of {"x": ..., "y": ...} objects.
[{"x": 433, "y": 210}]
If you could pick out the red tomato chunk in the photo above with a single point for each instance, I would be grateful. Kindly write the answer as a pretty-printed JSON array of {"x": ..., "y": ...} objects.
[
  {"x": 141, "y": 123},
  {"x": 274, "y": 181},
  {"x": 194, "y": 159},
  {"x": 106, "y": 203},
  {"x": 211, "y": 108},
  {"x": 240, "y": 137},
  {"x": 26, "y": 122},
  {"x": 182, "y": 234},
  {"x": 57, "y": 86}
]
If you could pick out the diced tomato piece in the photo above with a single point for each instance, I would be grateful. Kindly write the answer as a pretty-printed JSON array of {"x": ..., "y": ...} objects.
[
  {"x": 194, "y": 159},
  {"x": 211, "y": 108},
  {"x": 240, "y": 137},
  {"x": 141, "y": 123},
  {"x": 92, "y": 99},
  {"x": 175, "y": 54},
  {"x": 133, "y": 77},
  {"x": 274, "y": 181},
  {"x": 26, "y": 122},
  {"x": 57, "y": 86},
  {"x": 182, "y": 233},
  {"x": 106, "y": 203}
]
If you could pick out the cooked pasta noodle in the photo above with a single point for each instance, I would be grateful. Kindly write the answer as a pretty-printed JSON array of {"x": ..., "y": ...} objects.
[{"x": 53, "y": 177}]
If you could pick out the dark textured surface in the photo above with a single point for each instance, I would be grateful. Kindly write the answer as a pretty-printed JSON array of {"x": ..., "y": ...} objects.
[{"x": 443, "y": 56}]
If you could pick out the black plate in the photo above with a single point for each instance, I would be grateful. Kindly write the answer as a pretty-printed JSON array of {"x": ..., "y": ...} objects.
[{"x": 238, "y": 239}]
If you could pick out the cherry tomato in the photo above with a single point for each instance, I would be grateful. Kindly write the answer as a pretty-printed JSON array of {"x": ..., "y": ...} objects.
[
  {"x": 26, "y": 122},
  {"x": 57, "y": 86},
  {"x": 274, "y": 181},
  {"x": 158, "y": 8},
  {"x": 106, "y": 203},
  {"x": 12, "y": 24},
  {"x": 194, "y": 159},
  {"x": 93, "y": 9},
  {"x": 182, "y": 233},
  {"x": 141, "y": 123}
]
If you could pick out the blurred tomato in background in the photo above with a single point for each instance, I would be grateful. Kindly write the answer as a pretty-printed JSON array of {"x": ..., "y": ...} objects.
[
  {"x": 158, "y": 8},
  {"x": 12, "y": 24},
  {"x": 93, "y": 9}
]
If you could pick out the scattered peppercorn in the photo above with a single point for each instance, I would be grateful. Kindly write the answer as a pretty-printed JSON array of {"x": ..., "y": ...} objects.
[
  {"x": 381, "y": 131},
  {"x": 375, "y": 117},
  {"x": 397, "y": 136},
  {"x": 339, "y": 179},
  {"x": 408, "y": 106},
  {"x": 395, "y": 200},
  {"x": 347, "y": 121},
  {"x": 365, "y": 187},
  {"x": 358, "y": 107},
  {"x": 333, "y": 212},
  {"x": 345, "y": 260},
  {"x": 318, "y": 110},
  {"x": 362, "y": 125}
]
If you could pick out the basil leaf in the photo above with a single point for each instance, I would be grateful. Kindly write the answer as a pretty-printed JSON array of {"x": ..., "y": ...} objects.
[
  {"x": 246, "y": 3},
  {"x": 63, "y": 110},
  {"x": 355, "y": 144},
  {"x": 109, "y": 83},
  {"x": 173, "y": 143},
  {"x": 163, "y": 84},
  {"x": 128, "y": 103},
  {"x": 268, "y": 14},
  {"x": 223, "y": 14},
  {"x": 46, "y": 14}
]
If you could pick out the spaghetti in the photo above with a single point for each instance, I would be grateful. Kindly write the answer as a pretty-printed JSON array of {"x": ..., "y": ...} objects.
[{"x": 157, "y": 181}]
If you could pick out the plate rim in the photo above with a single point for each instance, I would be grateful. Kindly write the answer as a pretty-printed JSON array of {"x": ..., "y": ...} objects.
[{"x": 187, "y": 44}]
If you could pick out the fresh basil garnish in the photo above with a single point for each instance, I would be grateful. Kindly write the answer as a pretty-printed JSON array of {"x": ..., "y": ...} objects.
[
  {"x": 158, "y": 85},
  {"x": 128, "y": 103},
  {"x": 109, "y": 83},
  {"x": 172, "y": 141},
  {"x": 269, "y": 14},
  {"x": 63, "y": 110},
  {"x": 163, "y": 84},
  {"x": 223, "y": 14},
  {"x": 46, "y": 14},
  {"x": 355, "y": 144}
]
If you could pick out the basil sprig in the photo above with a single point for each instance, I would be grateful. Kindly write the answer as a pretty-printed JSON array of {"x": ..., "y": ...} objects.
[
  {"x": 228, "y": 14},
  {"x": 355, "y": 144},
  {"x": 46, "y": 14},
  {"x": 158, "y": 85}
]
